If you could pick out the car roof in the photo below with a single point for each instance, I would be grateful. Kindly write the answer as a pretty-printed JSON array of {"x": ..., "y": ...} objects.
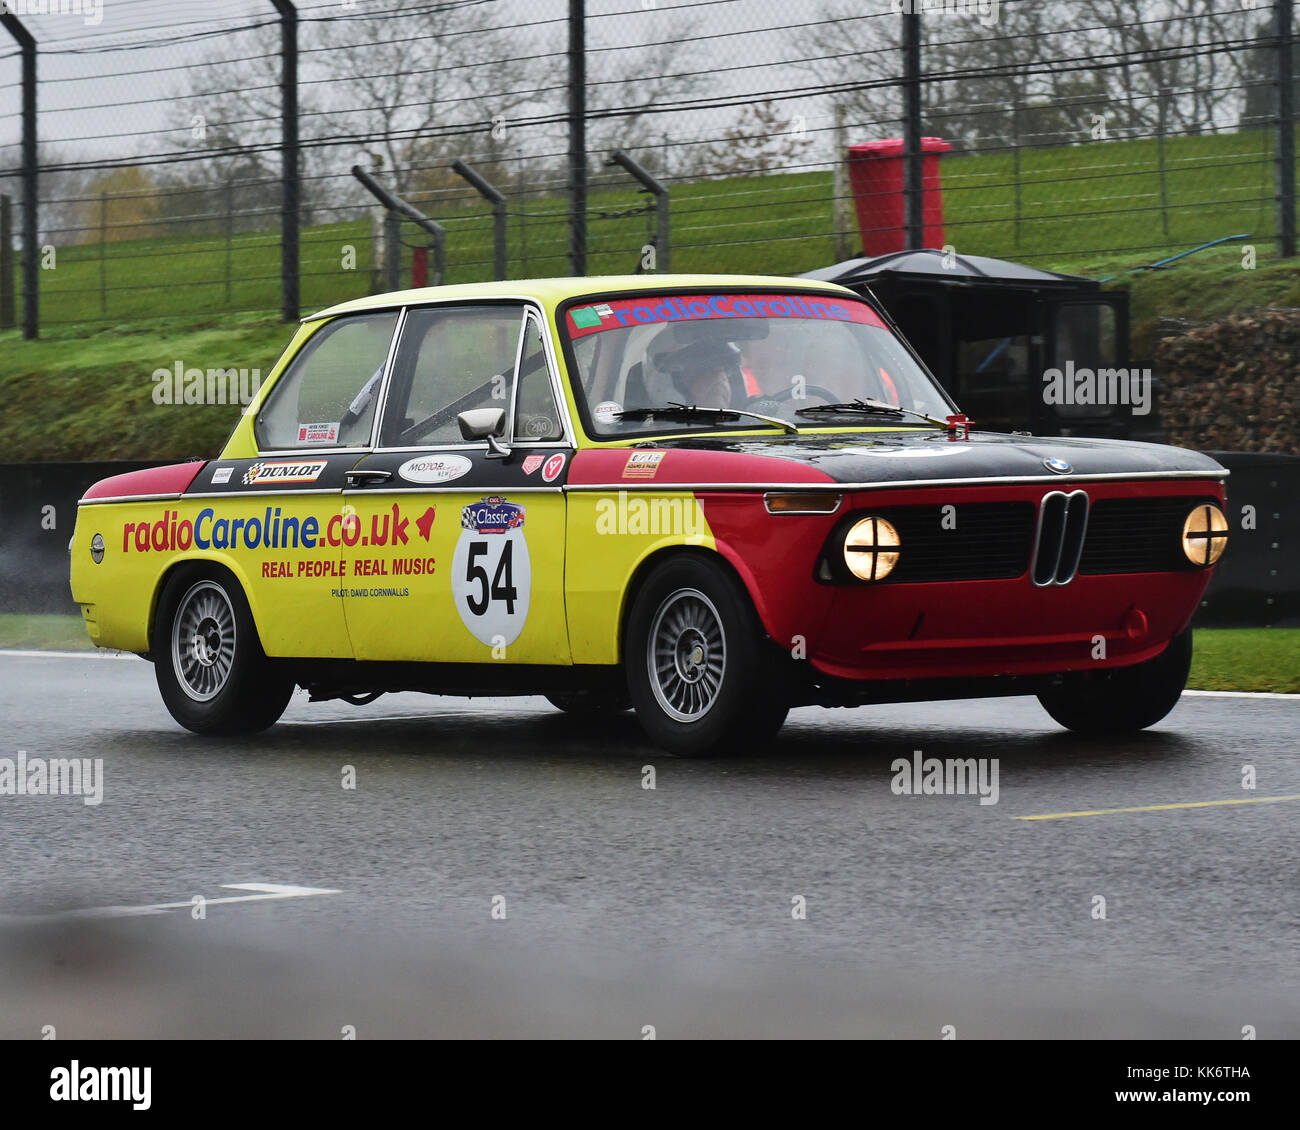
[{"x": 551, "y": 292}]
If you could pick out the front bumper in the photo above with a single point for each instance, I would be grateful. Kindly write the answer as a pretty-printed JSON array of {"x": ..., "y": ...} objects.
[{"x": 958, "y": 628}]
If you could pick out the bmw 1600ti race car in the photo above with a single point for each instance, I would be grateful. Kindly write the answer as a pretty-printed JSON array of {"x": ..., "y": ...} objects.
[{"x": 708, "y": 498}]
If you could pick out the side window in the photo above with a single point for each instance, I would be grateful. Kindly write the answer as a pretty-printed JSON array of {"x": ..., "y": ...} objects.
[
  {"x": 451, "y": 359},
  {"x": 1085, "y": 335},
  {"x": 327, "y": 397},
  {"x": 536, "y": 416}
]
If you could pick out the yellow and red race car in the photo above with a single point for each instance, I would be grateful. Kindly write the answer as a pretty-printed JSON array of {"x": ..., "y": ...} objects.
[{"x": 710, "y": 498}]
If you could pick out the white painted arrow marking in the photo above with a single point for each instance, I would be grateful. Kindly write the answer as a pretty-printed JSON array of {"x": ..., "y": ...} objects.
[{"x": 262, "y": 892}]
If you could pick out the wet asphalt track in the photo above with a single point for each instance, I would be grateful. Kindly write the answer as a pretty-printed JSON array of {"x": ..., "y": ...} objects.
[{"x": 628, "y": 907}]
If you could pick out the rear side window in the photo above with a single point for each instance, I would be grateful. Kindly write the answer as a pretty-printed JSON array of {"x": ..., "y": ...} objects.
[{"x": 328, "y": 395}]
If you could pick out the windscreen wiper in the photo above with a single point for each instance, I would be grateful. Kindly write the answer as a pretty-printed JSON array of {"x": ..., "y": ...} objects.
[
  {"x": 687, "y": 412},
  {"x": 867, "y": 408}
]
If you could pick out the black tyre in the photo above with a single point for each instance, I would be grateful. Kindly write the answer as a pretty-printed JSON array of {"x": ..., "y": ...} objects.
[
  {"x": 585, "y": 704},
  {"x": 208, "y": 660},
  {"x": 702, "y": 676},
  {"x": 1125, "y": 699}
]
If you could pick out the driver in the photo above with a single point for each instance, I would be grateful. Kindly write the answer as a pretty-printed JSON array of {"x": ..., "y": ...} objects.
[{"x": 702, "y": 373}]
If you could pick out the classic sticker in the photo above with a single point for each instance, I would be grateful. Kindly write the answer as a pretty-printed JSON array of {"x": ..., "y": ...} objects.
[
  {"x": 491, "y": 574},
  {"x": 554, "y": 465},
  {"x": 494, "y": 515},
  {"x": 284, "y": 471},
  {"x": 643, "y": 464},
  {"x": 434, "y": 468},
  {"x": 318, "y": 433}
]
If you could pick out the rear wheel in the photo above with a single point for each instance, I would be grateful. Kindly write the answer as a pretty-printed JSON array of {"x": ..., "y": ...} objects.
[
  {"x": 701, "y": 673},
  {"x": 1125, "y": 699},
  {"x": 212, "y": 673}
]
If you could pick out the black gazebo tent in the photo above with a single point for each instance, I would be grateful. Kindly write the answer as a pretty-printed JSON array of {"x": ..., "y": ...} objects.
[{"x": 990, "y": 329}]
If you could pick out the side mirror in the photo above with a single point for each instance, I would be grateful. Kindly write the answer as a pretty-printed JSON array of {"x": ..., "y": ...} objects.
[{"x": 488, "y": 424}]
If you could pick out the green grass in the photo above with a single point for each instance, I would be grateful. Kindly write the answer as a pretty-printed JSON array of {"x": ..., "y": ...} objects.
[
  {"x": 87, "y": 393},
  {"x": 44, "y": 632},
  {"x": 1247, "y": 659},
  {"x": 1226, "y": 659},
  {"x": 1107, "y": 196},
  {"x": 1102, "y": 203},
  {"x": 111, "y": 316}
]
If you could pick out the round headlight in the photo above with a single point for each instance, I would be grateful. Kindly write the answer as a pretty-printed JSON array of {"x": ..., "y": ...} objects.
[
  {"x": 871, "y": 549},
  {"x": 1205, "y": 534}
]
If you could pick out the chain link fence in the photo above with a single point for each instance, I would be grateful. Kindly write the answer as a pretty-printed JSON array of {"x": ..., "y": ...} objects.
[{"x": 152, "y": 137}]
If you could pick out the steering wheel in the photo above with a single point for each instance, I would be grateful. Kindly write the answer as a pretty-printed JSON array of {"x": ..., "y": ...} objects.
[{"x": 788, "y": 394}]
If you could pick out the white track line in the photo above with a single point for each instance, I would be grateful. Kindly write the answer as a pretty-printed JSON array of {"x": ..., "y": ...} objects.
[
  {"x": 1243, "y": 694},
  {"x": 104, "y": 654},
  {"x": 98, "y": 653}
]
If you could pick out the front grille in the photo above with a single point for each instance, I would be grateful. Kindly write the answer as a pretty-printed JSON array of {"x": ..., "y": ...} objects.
[
  {"x": 974, "y": 541},
  {"x": 1062, "y": 524},
  {"x": 1137, "y": 535},
  {"x": 1060, "y": 537}
]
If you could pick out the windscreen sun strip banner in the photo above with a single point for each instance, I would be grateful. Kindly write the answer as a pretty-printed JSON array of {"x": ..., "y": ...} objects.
[{"x": 656, "y": 309}]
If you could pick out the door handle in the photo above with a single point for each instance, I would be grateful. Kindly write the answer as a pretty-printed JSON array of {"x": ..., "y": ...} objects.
[{"x": 364, "y": 477}]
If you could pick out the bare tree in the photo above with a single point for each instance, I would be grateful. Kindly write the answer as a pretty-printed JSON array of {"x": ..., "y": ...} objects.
[{"x": 420, "y": 90}]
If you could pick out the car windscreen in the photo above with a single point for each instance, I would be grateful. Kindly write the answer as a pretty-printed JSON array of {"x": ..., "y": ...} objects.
[{"x": 773, "y": 354}]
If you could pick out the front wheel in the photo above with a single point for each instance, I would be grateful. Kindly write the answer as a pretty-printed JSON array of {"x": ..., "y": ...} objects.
[
  {"x": 212, "y": 673},
  {"x": 700, "y": 670},
  {"x": 1125, "y": 699}
]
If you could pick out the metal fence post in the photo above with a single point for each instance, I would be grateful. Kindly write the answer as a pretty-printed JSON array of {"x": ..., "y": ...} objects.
[
  {"x": 840, "y": 187},
  {"x": 31, "y": 278},
  {"x": 1016, "y": 106},
  {"x": 577, "y": 137},
  {"x": 663, "y": 221},
  {"x": 103, "y": 253},
  {"x": 230, "y": 231},
  {"x": 392, "y": 251},
  {"x": 1162, "y": 127},
  {"x": 396, "y": 207},
  {"x": 913, "y": 166},
  {"x": 522, "y": 191},
  {"x": 6, "y": 264},
  {"x": 440, "y": 256},
  {"x": 291, "y": 198},
  {"x": 498, "y": 202},
  {"x": 1284, "y": 11}
]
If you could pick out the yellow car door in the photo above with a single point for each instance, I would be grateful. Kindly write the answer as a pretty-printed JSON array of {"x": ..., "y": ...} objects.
[{"x": 454, "y": 547}]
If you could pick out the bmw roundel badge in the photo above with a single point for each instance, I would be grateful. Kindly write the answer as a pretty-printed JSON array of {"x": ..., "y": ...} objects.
[{"x": 1060, "y": 466}]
